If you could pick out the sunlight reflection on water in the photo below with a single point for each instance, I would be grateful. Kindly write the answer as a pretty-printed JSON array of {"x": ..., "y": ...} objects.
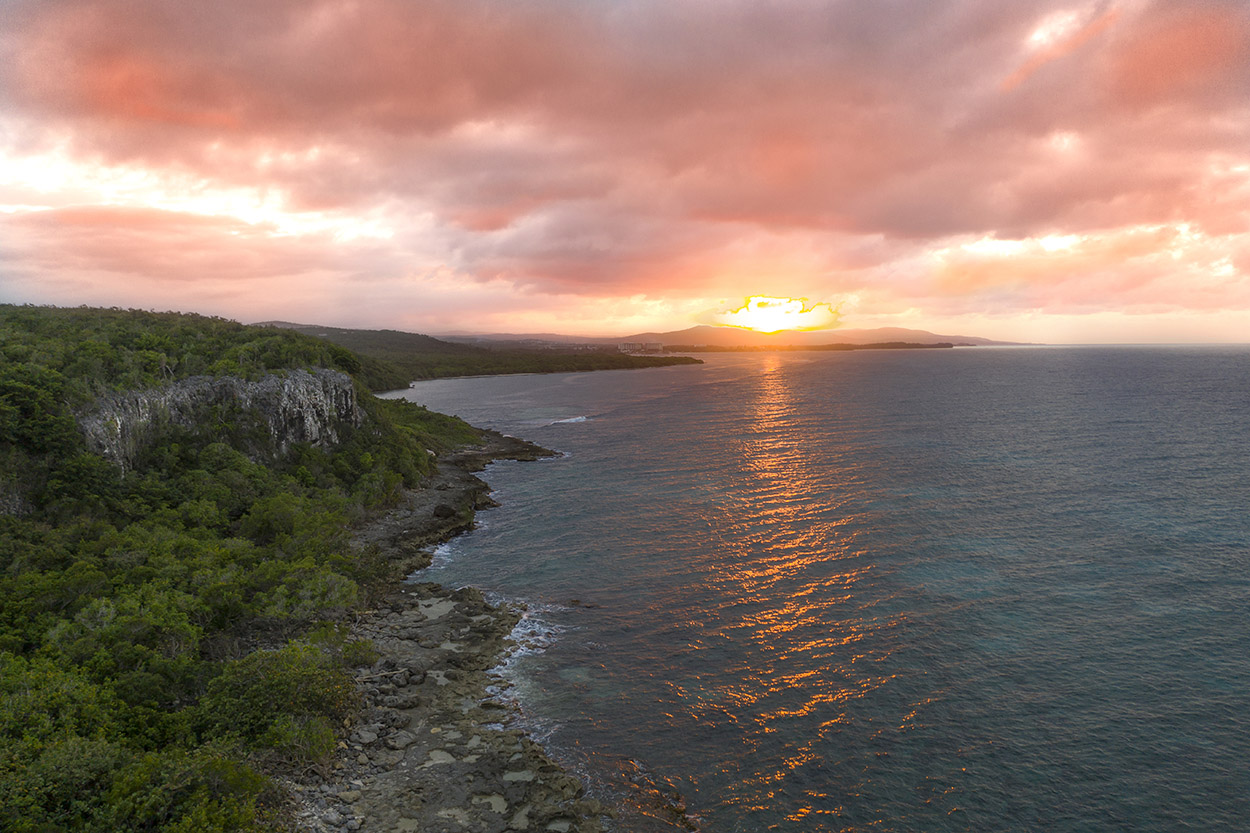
[{"x": 886, "y": 592}]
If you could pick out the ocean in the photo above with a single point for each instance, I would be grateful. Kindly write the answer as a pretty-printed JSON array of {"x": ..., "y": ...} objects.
[{"x": 979, "y": 589}]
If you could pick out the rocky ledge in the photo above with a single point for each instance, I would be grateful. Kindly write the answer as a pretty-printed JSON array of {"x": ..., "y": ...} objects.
[
  {"x": 432, "y": 751},
  {"x": 296, "y": 406}
]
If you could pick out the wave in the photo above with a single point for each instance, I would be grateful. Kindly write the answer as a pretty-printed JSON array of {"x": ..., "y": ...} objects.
[
  {"x": 532, "y": 636},
  {"x": 534, "y": 633}
]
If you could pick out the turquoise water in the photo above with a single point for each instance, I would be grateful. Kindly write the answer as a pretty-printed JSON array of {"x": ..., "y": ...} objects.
[{"x": 976, "y": 589}]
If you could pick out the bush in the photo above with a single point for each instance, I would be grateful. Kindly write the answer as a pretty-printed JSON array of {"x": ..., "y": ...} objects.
[
  {"x": 201, "y": 791},
  {"x": 57, "y": 786},
  {"x": 282, "y": 700},
  {"x": 333, "y": 638}
]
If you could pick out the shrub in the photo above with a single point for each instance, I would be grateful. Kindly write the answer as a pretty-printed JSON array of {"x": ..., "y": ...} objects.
[
  {"x": 205, "y": 790},
  {"x": 57, "y": 786},
  {"x": 282, "y": 700}
]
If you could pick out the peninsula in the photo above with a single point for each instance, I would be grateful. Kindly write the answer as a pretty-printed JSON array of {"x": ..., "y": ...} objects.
[{"x": 204, "y": 531}]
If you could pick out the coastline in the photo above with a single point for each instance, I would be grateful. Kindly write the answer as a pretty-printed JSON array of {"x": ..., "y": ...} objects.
[{"x": 430, "y": 750}]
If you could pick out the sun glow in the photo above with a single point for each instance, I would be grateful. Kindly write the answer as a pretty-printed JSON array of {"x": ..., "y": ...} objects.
[
  {"x": 54, "y": 179},
  {"x": 766, "y": 314}
]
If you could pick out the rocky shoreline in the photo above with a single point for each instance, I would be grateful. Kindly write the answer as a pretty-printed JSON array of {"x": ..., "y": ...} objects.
[{"x": 431, "y": 751}]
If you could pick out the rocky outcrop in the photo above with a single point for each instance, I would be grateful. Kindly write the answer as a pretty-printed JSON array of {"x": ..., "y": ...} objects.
[
  {"x": 12, "y": 499},
  {"x": 297, "y": 406}
]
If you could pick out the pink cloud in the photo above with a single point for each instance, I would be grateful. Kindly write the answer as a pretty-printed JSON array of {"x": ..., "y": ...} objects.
[
  {"x": 1182, "y": 52},
  {"x": 1063, "y": 47},
  {"x": 673, "y": 149}
]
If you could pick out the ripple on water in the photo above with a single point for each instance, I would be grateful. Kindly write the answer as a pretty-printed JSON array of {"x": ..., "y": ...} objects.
[{"x": 893, "y": 591}]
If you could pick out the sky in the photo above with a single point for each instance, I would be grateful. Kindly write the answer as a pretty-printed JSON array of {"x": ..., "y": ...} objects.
[{"x": 1036, "y": 171}]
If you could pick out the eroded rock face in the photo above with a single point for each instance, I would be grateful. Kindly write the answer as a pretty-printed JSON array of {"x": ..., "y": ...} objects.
[
  {"x": 296, "y": 406},
  {"x": 12, "y": 501}
]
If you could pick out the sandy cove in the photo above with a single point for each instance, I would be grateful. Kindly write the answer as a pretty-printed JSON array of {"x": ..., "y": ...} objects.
[{"x": 430, "y": 751}]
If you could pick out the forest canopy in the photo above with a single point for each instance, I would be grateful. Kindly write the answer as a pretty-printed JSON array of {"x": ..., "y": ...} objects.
[{"x": 170, "y": 634}]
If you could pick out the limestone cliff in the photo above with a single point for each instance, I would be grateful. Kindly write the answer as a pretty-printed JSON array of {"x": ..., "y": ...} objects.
[{"x": 299, "y": 406}]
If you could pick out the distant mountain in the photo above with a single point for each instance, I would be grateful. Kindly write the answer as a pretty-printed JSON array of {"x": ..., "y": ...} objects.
[
  {"x": 734, "y": 337},
  {"x": 391, "y": 358}
]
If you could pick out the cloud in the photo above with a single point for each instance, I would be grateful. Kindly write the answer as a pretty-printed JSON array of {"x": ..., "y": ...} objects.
[
  {"x": 659, "y": 150},
  {"x": 1182, "y": 52},
  {"x": 1058, "y": 35}
]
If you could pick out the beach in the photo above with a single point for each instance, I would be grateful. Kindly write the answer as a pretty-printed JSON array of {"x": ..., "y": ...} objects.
[{"x": 432, "y": 750}]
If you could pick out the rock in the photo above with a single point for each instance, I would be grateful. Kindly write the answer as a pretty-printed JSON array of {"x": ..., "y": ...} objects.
[
  {"x": 407, "y": 701},
  {"x": 519, "y": 775},
  {"x": 437, "y": 608},
  {"x": 387, "y": 757},
  {"x": 454, "y": 814},
  {"x": 495, "y": 801},
  {"x": 520, "y": 819},
  {"x": 350, "y": 796},
  {"x": 401, "y": 740},
  {"x": 296, "y": 406}
]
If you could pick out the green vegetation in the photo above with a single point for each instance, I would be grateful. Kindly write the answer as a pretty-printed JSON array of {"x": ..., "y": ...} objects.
[
  {"x": 393, "y": 358},
  {"x": 129, "y": 600}
]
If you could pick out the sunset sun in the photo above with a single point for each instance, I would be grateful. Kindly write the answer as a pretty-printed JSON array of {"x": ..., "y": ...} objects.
[{"x": 768, "y": 314}]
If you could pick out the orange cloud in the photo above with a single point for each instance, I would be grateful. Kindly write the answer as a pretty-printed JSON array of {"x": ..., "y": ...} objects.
[
  {"x": 1060, "y": 48},
  {"x": 1184, "y": 50},
  {"x": 663, "y": 148}
]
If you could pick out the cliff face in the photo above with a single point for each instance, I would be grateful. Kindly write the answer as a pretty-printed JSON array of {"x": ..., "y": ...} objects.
[
  {"x": 300, "y": 406},
  {"x": 12, "y": 501}
]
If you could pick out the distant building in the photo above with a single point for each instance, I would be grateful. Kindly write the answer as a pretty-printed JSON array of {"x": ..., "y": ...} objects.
[{"x": 640, "y": 347}]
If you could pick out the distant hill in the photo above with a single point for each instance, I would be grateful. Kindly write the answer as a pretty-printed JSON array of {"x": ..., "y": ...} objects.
[
  {"x": 394, "y": 358},
  {"x": 388, "y": 341},
  {"x": 734, "y": 337}
]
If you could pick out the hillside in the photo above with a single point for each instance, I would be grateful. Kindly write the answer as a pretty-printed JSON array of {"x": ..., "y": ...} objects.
[
  {"x": 175, "y": 492},
  {"x": 396, "y": 357}
]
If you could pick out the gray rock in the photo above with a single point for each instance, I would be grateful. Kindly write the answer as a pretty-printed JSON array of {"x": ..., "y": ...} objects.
[
  {"x": 520, "y": 819},
  {"x": 296, "y": 406},
  {"x": 401, "y": 740}
]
